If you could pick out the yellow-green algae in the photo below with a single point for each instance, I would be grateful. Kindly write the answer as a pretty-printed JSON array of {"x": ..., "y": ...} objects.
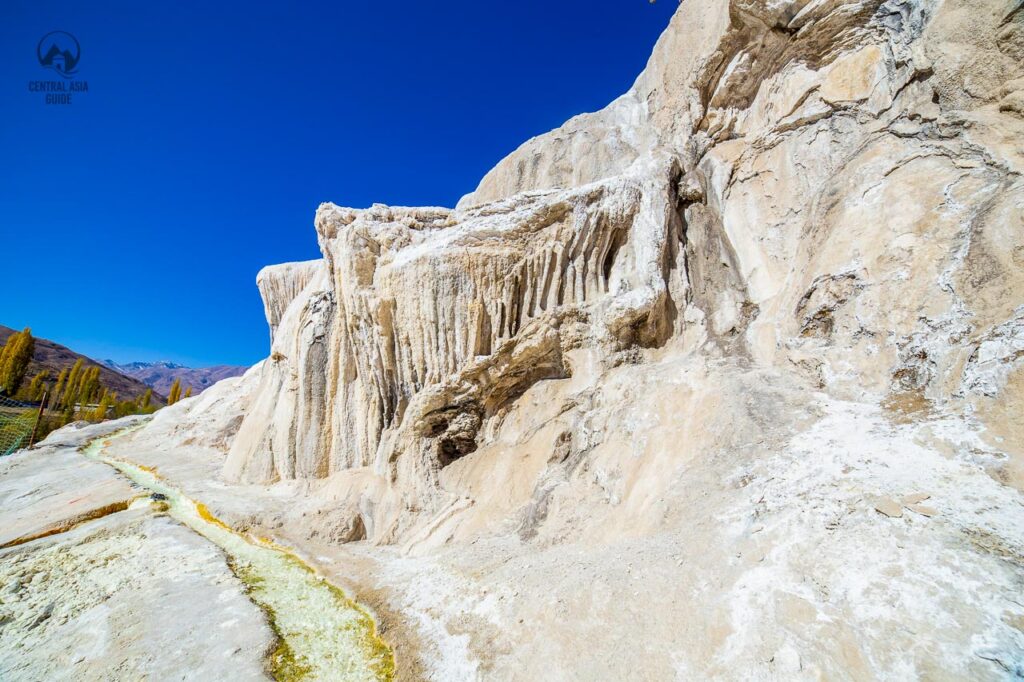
[{"x": 321, "y": 633}]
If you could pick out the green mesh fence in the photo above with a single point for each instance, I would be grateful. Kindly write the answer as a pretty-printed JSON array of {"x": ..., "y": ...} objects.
[{"x": 16, "y": 423}]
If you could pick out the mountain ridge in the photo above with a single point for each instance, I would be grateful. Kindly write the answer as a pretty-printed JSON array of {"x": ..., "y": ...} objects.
[{"x": 161, "y": 374}]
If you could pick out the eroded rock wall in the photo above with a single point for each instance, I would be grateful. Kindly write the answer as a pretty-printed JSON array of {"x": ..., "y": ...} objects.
[
  {"x": 728, "y": 376},
  {"x": 828, "y": 189}
]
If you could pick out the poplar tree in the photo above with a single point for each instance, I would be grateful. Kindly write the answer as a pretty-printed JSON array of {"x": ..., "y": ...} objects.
[
  {"x": 92, "y": 385},
  {"x": 88, "y": 385},
  {"x": 5, "y": 353},
  {"x": 37, "y": 386},
  {"x": 71, "y": 387},
  {"x": 188, "y": 393},
  {"x": 14, "y": 360},
  {"x": 175, "y": 393},
  {"x": 100, "y": 413},
  {"x": 61, "y": 378}
]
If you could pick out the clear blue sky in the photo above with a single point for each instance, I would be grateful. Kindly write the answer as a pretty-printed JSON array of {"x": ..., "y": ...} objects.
[{"x": 133, "y": 221}]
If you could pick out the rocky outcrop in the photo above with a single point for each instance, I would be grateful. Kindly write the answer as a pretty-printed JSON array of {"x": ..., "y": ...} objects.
[
  {"x": 422, "y": 328},
  {"x": 748, "y": 309},
  {"x": 279, "y": 285},
  {"x": 810, "y": 185},
  {"x": 284, "y": 430},
  {"x": 88, "y": 566}
]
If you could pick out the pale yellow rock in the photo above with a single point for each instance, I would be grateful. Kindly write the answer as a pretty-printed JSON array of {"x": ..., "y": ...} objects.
[
  {"x": 853, "y": 77},
  {"x": 914, "y": 498},
  {"x": 888, "y": 507},
  {"x": 922, "y": 510}
]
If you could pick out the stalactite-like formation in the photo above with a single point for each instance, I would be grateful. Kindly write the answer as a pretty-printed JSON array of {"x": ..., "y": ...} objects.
[{"x": 737, "y": 202}]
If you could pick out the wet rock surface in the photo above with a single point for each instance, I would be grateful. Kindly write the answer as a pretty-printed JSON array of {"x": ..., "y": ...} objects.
[{"x": 128, "y": 594}]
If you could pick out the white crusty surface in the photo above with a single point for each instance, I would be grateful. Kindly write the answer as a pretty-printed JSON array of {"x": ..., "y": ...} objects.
[{"x": 108, "y": 592}]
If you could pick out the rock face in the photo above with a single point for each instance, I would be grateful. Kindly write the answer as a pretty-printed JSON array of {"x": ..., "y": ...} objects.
[
  {"x": 827, "y": 188},
  {"x": 802, "y": 211},
  {"x": 88, "y": 571}
]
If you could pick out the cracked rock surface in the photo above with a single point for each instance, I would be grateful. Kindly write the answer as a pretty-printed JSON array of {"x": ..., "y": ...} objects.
[{"x": 121, "y": 593}]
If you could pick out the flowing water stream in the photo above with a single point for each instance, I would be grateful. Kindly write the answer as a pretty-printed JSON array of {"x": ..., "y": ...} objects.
[{"x": 321, "y": 633}]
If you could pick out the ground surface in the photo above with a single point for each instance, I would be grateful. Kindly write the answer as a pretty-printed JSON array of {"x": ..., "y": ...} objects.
[
  {"x": 128, "y": 595},
  {"x": 888, "y": 535}
]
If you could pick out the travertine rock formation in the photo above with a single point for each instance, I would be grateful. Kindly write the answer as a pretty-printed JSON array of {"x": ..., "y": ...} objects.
[
  {"x": 827, "y": 188},
  {"x": 681, "y": 315}
]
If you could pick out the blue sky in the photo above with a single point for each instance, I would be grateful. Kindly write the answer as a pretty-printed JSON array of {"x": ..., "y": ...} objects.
[{"x": 134, "y": 220}]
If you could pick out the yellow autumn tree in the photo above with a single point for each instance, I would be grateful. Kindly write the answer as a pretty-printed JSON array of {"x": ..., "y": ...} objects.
[
  {"x": 175, "y": 393},
  {"x": 71, "y": 385},
  {"x": 36, "y": 388},
  {"x": 100, "y": 413},
  {"x": 55, "y": 396},
  {"x": 14, "y": 360}
]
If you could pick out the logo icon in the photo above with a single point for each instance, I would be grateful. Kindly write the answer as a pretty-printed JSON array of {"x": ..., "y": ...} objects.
[{"x": 59, "y": 50}]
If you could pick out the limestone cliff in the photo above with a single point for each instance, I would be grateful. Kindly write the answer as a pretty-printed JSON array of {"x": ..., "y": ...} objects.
[
  {"x": 789, "y": 259},
  {"x": 828, "y": 188}
]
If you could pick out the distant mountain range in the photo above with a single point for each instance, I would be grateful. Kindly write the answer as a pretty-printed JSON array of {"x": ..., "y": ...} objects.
[
  {"x": 160, "y": 375},
  {"x": 54, "y": 357}
]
